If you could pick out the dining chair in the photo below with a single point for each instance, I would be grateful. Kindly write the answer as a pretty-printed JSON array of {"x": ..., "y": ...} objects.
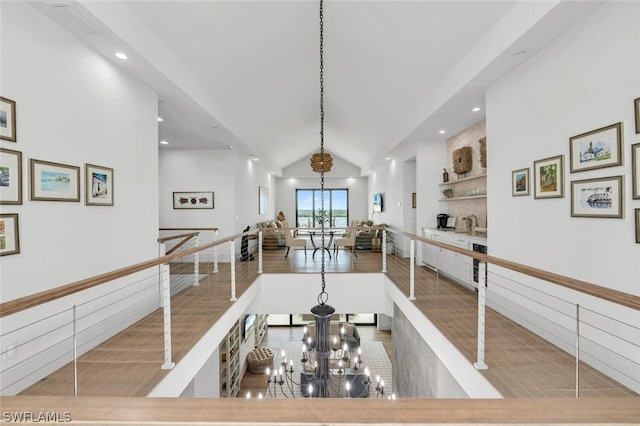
[
  {"x": 348, "y": 239},
  {"x": 292, "y": 241}
]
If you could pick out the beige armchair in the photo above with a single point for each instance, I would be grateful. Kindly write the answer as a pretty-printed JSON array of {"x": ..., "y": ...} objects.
[
  {"x": 292, "y": 241},
  {"x": 348, "y": 239}
]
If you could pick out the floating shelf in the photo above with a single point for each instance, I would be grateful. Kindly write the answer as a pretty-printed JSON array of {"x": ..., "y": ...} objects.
[
  {"x": 471, "y": 197},
  {"x": 453, "y": 182}
]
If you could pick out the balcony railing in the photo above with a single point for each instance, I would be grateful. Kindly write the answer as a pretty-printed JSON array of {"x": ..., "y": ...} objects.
[{"x": 118, "y": 334}]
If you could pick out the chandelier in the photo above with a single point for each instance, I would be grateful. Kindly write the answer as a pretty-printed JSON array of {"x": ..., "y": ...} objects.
[{"x": 328, "y": 367}]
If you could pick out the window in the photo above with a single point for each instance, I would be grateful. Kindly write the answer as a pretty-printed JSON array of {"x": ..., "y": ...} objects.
[{"x": 336, "y": 205}]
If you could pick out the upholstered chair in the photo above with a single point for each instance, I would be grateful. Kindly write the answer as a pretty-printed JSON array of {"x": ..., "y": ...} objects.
[
  {"x": 348, "y": 239},
  {"x": 292, "y": 241}
]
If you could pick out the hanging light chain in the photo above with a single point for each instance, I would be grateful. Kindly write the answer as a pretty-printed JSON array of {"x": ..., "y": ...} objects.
[{"x": 323, "y": 296}]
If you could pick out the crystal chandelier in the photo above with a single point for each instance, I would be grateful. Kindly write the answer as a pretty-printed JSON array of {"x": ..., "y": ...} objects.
[{"x": 327, "y": 368}]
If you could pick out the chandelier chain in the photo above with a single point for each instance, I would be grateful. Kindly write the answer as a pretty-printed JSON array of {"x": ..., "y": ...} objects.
[{"x": 323, "y": 296}]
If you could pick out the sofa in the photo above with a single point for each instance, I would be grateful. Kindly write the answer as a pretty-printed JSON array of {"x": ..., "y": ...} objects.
[
  {"x": 351, "y": 336},
  {"x": 366, "y": 231},
  {"x": 272, "y": 228}
]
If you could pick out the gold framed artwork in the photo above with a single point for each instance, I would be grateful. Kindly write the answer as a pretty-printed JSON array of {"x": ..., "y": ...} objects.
[
  {"x": 10, "y": 176},
  {"x": 599, "y": 197},
  {"x": 548, "y": 177},
  {"x": 53, "y": 181},
  {"x": 635, "y": 171},
  {"x": 520, "y": 182},
  {"x": 7, "y": 120},
  {"x": 98, "y": 185},
  {"x": 9, "y": 236},
  {"x": 596, "y": 149}
]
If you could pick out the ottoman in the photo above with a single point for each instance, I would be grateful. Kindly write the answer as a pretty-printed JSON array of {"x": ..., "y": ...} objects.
[{"x": 259, "y": 359}]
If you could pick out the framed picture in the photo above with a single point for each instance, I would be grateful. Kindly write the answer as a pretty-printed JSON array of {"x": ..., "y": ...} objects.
[
  {"x": 600, "y": 197},
  {"x": 193, "y": 200},
  {"x": 549, "y": 177},
  {"x": 98, "y": 185},
  {"x": 7, "y": 119},
  {"x": 520, "y": 182},
  {"x": 413, "y": 200},
  {"x": 9, "y": 236},
  {"x": 10, "y": 176},
  {"x": 263, "y": 200},
  {"x": 53, "y": 181},
  {"x": 637, "y": 226},
  {"x": 637, "y": 109},
  {"x": 635, "y": 170},
  {"x": 596, "y": 149}
]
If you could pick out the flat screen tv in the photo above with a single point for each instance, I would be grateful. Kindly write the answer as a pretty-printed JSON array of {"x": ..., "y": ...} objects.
[{"x": 377, "y": 202}]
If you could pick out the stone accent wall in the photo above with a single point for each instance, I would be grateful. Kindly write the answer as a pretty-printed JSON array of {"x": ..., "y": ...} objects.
[
  {"x": 415, "y": 365},
  {"x": 459, "y": 209}
]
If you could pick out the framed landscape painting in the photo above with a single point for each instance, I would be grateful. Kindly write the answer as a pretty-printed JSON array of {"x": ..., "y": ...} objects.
[
  {"x": 637, "y": 109},
  {"x": 520, "y": 182},
  {"x": 10, "y": 176},
  {"x": 600, "y": 197},
  {"x": 548, "y": 178},
  {"x": 192, "y": 200},
  {"x": 53, "y": 181},
  {"x": 596, "y": 149},
  {"x": 635, "y": 170},
  {"x": 7, "y": 119},
  {"x": 98, "y": 185},
  {"x": 9, "y": 237}
]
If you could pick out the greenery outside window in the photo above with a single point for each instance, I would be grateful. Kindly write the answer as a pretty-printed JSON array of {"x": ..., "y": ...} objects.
[{"x": 310, "y": 215}]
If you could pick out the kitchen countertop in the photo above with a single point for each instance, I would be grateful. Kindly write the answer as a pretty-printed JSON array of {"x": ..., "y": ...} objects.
[{"x": 474, "y": 234}]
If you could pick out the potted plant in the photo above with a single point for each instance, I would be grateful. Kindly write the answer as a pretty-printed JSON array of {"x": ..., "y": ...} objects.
[{"x": 322, "y": 217}]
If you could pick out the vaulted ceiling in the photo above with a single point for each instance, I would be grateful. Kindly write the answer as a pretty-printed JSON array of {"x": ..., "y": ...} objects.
[{"x": 246, "y": 73}]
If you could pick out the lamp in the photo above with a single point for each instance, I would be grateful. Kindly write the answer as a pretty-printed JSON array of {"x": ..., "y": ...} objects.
[{"x": 328, "y": 369}]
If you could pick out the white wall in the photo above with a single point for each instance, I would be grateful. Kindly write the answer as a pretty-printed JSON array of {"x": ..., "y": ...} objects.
[
  {"x": 585, "y": 80},
  {"x": 234, "y": 180},
  {"x": 74, "y": 107},
  {"x": 82, "y": 110}
]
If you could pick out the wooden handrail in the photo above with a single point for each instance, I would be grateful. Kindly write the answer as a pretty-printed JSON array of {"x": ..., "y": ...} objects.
[
  {"x": 175, "y": 237},
  {"x": 188, "y": 229},
  {"x": 33, "y": 300},
  {"x": 615, "y": 296}
]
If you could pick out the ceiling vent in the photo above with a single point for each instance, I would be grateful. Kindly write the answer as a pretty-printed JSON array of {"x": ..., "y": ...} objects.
[{"x": 73, "y": 17}]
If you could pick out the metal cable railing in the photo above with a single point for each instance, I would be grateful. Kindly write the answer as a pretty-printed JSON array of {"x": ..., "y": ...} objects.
[{"x": 89, "y": 314}]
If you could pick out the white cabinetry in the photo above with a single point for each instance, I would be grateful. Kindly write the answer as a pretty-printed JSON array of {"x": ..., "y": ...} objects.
[
  {"x": 455, "y": 265},
  {"x": 429, "y": 252},
  {"x": 230, "y": 362}
]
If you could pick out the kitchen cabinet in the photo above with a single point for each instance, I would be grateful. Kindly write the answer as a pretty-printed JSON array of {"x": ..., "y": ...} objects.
[{"x": 457, "y": 266}]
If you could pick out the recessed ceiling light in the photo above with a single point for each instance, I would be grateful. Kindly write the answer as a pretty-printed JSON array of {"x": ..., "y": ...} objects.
[
  {"x": 121, "y": 55},
  {"x": 476, "y": 109},
  {"x": 164, "y": 143},
  {"x": 230, "y": 146},
  {"x": 441, "y": 132},
  {"x": 388, "y": 158},
  {"x": 160, "y": 119}
]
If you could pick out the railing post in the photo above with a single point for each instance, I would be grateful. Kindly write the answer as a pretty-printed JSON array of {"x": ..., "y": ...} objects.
[
  {"x": 75, "y": 354},
  {"x": 259, "y": 252},
  {"x": 215, "y": 253},
  {"x": 232, "y": 262},
  {"x": 482, "y": 268},
  {"x": 166, "y": 304},
  {"x": 412, "y": 270},
  {"x": 196, "y": 263},
  {"x": 384, "y": 251},
  {"x": 577, "y": 350}
]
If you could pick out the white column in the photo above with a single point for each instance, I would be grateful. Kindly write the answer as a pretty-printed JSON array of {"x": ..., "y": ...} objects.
[
  {"x": 196, "y": 264},
  {"x": 232, "y": 262},
  {"x": 166, "y": 304},
  {"x": 412, "y": 270},
  {"x": 482, "y": 268},
  {"x": 215, "y": 253},
  {"x": 384, "y": 250},
  {"x": 259, "y": 252}
]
